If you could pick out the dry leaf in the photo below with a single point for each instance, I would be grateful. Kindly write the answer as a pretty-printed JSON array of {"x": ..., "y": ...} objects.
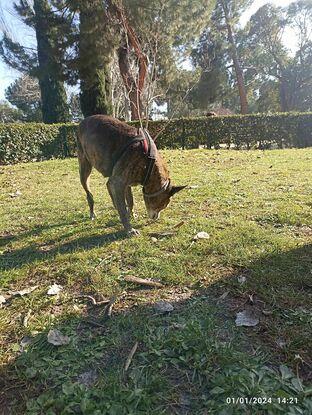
[
  {"x": 26, "y": 341},
  {"x": 130, "y": 357},
  {"x": 16, "y": 194},
  {"x": 54, "y": 289},
  {"x": 26, "y": 318},
  {"x": 246, "y": 318},
  {"x": 25, "y": 291},
  {"x": 201, "y": 235},
  {"x": 56, "y": 338},
  {"x": 224, "y": 295}
]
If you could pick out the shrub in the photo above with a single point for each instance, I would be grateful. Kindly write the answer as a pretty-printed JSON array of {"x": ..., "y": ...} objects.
[
  {"x": 36, "y": 141},
  {"x": 25, "y": 142}
]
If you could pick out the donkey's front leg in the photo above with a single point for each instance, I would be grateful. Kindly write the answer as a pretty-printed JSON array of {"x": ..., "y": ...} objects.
[{"x": 117, "y": 190}]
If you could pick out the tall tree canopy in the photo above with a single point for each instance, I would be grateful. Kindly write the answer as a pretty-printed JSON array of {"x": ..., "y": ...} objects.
[
  {"x": 25, "y": 94},
  {"x": 126, "y": 55},
  {"x": 46, "y": 62}
]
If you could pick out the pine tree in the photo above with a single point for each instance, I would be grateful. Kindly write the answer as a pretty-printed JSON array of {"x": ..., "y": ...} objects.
[{"x": 46, "y": 63}]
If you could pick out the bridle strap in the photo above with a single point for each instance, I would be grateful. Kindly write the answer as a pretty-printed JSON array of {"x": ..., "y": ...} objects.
[{"x": 163, "y": 188}]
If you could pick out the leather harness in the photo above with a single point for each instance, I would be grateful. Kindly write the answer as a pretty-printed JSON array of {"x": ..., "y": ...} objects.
[{"x": 150, "y": 151}]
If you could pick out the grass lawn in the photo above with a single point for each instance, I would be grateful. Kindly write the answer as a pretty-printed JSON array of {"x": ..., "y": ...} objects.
[{"x": 257, "y": 209}]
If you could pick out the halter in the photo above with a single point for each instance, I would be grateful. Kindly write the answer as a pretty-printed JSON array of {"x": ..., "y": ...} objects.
[
  {"x": 150, "y": 150},
  {"x": 163, "y": 188}
]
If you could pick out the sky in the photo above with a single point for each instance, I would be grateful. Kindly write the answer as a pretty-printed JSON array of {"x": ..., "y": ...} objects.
[{"x": 8, "y": 75}]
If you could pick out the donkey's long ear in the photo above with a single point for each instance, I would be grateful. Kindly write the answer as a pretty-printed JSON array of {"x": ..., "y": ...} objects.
[{"x": 176, "y": 189}]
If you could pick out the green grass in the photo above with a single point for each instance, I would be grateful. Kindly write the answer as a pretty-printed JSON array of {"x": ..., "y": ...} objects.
[{"x": 256, "y": 207}]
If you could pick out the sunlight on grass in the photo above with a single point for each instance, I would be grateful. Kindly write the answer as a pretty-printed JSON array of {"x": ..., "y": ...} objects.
[{"x": 256, "y": 208}]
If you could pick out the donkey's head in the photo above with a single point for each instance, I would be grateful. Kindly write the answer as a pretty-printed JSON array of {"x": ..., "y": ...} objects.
[{"x": 155, "y": 202}]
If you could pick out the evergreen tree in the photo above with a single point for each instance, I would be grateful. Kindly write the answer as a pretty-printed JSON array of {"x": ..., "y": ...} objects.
[
  {"x": 8, "y": 113},
  {"x": 221, "y": 58},
  {"x": 272, "y": 59},
  {"x": 24, "y": 93},
  {"x": 96, "y": 47},
  {"x": 46, "y": 64}
]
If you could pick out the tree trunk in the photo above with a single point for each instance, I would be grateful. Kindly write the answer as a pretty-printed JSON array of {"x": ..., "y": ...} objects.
[
  {"x": 283, "y": 95},
  {"x": 53, "y": 96},
  {"x": 238, "y": 70},
  {"x": 129, "y": 81},
  {"x": 133, "y": 85},
  {"x": 94, "y": 60}
]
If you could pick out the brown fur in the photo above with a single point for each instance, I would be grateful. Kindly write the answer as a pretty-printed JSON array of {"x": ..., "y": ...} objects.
[{"x": 100, "y": 138}]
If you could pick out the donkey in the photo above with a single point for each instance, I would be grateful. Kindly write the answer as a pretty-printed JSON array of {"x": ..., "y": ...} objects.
[{"x": 129, "y": 157}]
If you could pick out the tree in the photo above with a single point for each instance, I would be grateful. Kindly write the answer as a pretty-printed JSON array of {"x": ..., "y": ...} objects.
[
  {"x": 271, "y": 58},
  {"x": 96, "y": 47},
  {"x": 74, "y": 107},
  {"x": 45, "y": 63},
  {"x": 210, "y": 55},
  {"x": 154, "y": 38},
  {"x": 221, "y": 58},
  {"x": 231, "y": 12},
  {"x": 8, "y": 113},
  {"x": 24, "y": 93}
]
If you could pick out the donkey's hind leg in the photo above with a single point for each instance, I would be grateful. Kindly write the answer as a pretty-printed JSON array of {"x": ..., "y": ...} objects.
[{"x": 85, "y": 169}]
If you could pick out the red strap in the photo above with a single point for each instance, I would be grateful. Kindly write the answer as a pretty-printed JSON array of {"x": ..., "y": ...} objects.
[{"x": 145, "y": 146}]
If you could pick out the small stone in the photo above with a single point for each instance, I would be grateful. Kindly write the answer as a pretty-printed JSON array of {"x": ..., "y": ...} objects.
[
  {"x": 163, "y": 307},
  {"x": 246, "y": 318},
  {"x": 56, "y": 338},
  {"x": 87, "y": 378},
  {"x": 241, "y": 279}
]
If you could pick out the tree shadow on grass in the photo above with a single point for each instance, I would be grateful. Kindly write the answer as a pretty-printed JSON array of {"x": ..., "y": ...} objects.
[
  {"x": 8, "y": 238},
  {"x": 19, "y": 257},
  {"x": 187, "y": 362}
]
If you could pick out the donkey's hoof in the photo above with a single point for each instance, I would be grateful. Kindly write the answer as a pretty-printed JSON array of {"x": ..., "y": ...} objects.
[
  {"x": 133, "y": 232},
  {"x": 92, "y": 216}
]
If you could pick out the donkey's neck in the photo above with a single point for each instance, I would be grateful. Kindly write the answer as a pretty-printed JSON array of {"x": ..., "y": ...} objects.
[{"x": 159, "y": 176}]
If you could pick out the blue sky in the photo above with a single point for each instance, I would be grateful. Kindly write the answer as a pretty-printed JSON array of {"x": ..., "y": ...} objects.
[{"x": 26, "y": 37}]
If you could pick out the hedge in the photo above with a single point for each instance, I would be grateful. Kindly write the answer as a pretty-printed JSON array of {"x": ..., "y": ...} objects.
[{"x": 26, "y": 142}]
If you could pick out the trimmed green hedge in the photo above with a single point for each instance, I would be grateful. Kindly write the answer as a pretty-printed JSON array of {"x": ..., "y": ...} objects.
[{"x": 26, "y": 142}]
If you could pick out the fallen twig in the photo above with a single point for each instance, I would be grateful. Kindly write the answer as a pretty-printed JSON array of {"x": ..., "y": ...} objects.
[
  {"x": 169, "y": 232},
  {"x": 142, "y": 281},
  {"x": 178, "y": 225},
  {"x": 162, "y": 234},
  {"x": 94, "y": 323},
  {"x": 130, "y": 357},
  {"x": 110, "y": 306},
  {"x": 93, "y": 300},
  {"x": 26, "y": 318}
]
